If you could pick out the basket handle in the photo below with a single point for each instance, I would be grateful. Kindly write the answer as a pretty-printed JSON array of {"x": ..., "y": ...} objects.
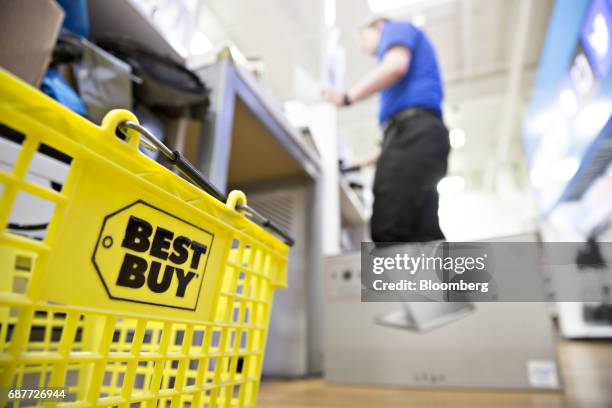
[{"x": 194, "y": 175}]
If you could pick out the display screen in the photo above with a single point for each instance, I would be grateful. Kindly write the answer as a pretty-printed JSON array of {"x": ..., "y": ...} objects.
[
  {"x": 595, "y": 37},
  {"x": 568, "y": 135}
]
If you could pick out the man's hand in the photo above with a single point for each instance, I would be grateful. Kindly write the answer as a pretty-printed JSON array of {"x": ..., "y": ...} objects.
[
  {"x": 368, "y": 160},
  {"x": 393, "y": 67},
  {"x": 332, "y": 96}
]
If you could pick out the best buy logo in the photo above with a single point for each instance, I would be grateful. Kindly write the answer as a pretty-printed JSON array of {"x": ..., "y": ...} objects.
[{"x": 147, "y": 255}]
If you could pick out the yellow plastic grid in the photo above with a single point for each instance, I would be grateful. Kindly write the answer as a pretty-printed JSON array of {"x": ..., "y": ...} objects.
[{"x": 109, "y": 352}]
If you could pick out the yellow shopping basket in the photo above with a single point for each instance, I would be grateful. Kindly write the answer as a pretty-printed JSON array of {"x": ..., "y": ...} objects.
[{"x": 121, "y": 283}]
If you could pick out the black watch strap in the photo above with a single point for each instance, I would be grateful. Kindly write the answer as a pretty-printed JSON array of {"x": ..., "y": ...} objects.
[{"x": 345, "y": 100}]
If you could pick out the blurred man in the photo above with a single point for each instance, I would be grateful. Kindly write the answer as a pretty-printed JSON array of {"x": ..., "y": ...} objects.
[{"x": 415, "y": 146}]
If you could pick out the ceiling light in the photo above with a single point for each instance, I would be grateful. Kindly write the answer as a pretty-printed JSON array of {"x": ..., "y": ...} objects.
[
  {"x": 330, "y": 12},
  {"x": 380, "y": 6},
  {"x": 419, "y": 20},
  {"x": 457, "y": 138},
  {"x": 451, "y": 184},
  {"x": 199, "y": 43}
]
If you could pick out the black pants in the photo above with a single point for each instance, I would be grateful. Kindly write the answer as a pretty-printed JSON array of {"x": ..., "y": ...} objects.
[{"x": 414, "y": 158}]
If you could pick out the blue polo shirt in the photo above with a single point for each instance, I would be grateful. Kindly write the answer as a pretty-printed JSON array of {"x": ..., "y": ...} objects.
[{"x": 422, "y": 85}]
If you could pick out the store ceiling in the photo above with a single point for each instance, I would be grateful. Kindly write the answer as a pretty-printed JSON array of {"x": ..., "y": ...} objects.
[{"x": 474, "y": 41}]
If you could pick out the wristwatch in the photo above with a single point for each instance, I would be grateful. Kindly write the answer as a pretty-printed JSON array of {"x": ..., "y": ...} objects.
[{"x": 345, "y": 100}]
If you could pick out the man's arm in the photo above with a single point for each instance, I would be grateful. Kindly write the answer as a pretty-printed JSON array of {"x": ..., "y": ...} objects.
[
  {"x": 367, "y": 161},
  {"x": 393, "y": 67}
]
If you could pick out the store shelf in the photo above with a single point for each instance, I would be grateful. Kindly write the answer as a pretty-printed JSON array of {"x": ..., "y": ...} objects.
[
  {"x": 251, "y": 141},
  {"x": 260, "y": 126},
  {"x": 123, "y": 18},
  {"x": 352, "y": 209}
]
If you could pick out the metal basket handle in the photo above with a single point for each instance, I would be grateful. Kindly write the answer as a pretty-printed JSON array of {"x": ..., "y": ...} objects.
[{"x": 194, "y": 175}]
